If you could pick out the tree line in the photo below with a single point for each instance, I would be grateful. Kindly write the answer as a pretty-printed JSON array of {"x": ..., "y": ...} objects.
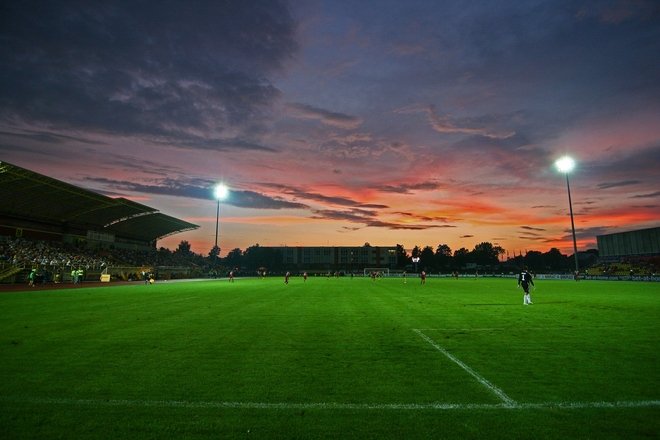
[{"x": 484, "y": 257}]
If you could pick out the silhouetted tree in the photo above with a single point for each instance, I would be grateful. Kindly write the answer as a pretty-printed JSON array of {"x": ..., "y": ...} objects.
[
  {"x": 234, "y": 258},
  {"x": 213, "y": 254},
  {"x": 256, "y": 256},
  {"x": 443, "y": 258},
  {"x": 427, "y": 258},
  {"x": 555, "y": 260},
  {"x": 461, "y": 258},
  {"x": 485, "y": 254},
  {"x": 402, "y": 258},
  {"x": 184, "y": 248}
]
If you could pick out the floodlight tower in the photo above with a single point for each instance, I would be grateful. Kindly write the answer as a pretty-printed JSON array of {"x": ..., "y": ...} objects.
[
  {"x": 220, "y": 192},
  {"x": 565, "y": 165}
]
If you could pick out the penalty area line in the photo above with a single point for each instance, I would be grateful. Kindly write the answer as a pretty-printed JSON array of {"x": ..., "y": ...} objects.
[
  {"x": 327, "y": 405},
  {"x": 482, "y": 380}
]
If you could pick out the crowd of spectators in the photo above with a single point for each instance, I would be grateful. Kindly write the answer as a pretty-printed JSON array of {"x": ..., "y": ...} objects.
[
  {"x": 29, "y": 254},
  {"x": 59, "y": 257}
]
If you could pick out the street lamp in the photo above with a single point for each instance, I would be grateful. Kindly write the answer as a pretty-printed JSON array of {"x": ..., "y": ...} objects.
[
  {"x": 565, "y": 165},
  {"x": 220, "y": 192},
  {"x": 415, "y": 260}
]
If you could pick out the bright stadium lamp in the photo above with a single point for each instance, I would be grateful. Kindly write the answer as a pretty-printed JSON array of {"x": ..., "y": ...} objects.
[
  {"x": 565, "y": 165},
  {"x": 220, "y": 192},
  {"x": 415, "y": 260}
]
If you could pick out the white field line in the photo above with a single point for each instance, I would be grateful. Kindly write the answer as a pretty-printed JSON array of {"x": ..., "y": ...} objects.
[
  {"x": 495, "y": 390},
  {"x": 490, "y": 329},
  {"x": 327, "y": 405}
]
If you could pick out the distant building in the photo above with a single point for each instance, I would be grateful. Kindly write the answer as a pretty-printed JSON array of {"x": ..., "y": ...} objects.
[
  {"x": 631, "y": 244},
  {"x": 348, "y": 258}
]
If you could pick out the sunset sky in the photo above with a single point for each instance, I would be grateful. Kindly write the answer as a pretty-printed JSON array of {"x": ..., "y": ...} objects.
[{"x": 340, "y": 122}]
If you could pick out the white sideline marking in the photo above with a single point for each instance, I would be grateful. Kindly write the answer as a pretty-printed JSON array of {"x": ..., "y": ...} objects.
[
  {"x": 490, "y": 329},
  {"x": 498, "y": 392},
  {"x": 329, "y": 405}
]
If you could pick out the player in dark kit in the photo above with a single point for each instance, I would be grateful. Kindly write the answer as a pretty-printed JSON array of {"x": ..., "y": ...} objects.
[{"x": 524, "y": 280}]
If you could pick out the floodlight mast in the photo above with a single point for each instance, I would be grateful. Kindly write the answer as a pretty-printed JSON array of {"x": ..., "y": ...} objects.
[
  {"x": 566, "y": 165},
  {"x": 220, "y": 192}
]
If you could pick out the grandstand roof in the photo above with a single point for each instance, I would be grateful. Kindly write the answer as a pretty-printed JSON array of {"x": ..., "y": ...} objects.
[{"x": 27, "y": 195}]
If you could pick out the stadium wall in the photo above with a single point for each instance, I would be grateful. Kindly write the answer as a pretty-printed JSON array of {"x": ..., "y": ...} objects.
[{"x": 639, "y": 243}]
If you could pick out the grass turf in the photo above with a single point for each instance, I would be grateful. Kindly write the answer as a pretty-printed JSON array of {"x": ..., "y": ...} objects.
[{"x": 349, "y": 358}]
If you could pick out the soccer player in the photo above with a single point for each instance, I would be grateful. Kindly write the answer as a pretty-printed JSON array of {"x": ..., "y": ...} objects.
[
  {"x": 231, "y": 276},
  {"x": 286, "y": 277},
  {"x": 524, "y": 280},
  {"x": 422, "y": 276},
  {"x": 304, "y": 276}
]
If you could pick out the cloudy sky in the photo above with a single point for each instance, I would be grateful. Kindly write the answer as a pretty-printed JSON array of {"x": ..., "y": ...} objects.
[{"x": 340, "y": 122}]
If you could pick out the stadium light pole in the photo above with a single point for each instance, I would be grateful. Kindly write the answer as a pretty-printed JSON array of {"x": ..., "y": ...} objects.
[
  {"x": 565, "y": 165},
  {"x": 220, "y": 192}
]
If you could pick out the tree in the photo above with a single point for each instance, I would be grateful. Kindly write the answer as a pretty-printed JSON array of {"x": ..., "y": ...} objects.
[
  {"x": 402, "y": 258},
  {"x": 443, "y": 257},
  {"x": 534, "y": 260},
  {"x": 256, "y": 256},
  {"x": 461, "y": 257},
  {"x": 213, "y": 254},
  {"x": 485, "y": 254},
  {"x": 427, "y": 258},
  {"x": 184, "y": 248},
  {"x": 555, "y": 260},
  {"x": 234, "y": 258}
]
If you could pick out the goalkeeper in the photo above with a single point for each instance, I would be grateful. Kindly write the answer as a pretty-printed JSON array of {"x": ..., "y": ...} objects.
[{"x": 524, "y": 280}]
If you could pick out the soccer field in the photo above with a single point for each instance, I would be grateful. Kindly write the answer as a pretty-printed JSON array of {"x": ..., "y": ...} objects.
[{"x": 332, "y": 358}]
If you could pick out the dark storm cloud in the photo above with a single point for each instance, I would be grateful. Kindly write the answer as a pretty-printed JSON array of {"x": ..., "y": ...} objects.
[
  {"x": 425, "y": 218},
  {"x": 608, "y": 185},
  {"x": 180, "y": 71},
  {"x": 48, "y": 138},
  {"x": 531, "y": 228},
  {"x": 407, "y": 188},
  {"x": 642, "y": 162},
  {"x": 187, "y": 141},
  {"x": 200, "y": 189},
  {"x": 11, "y": 148},
  {"x": 647, "y": 196},
  {"x": 554, "y": 61},
  {"x": 327, "y": 117},
  {"x": 332, "y": 200},
  {"x": 588, "y": 233},
  {"x": 369, "y": 218},
  {"x": 485, "y": 126}
]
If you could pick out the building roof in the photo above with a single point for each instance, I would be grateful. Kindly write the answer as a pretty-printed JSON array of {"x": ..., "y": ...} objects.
[{"x": 27, "y": 195}]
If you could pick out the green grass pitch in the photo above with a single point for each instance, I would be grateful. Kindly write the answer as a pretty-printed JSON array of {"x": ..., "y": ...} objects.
[{"x": 332, "y": 358}]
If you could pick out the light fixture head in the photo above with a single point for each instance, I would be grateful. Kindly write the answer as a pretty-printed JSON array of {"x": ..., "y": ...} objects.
[
  {"x": 565, "y": 164},
  {"x": 221, "y": 191}
]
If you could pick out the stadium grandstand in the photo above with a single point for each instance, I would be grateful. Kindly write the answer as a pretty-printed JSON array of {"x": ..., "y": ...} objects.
[
  {"x": 627, "y": 254},
  {"x": 641, "y": 243},
  {"x": 38, "y": 208}
]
